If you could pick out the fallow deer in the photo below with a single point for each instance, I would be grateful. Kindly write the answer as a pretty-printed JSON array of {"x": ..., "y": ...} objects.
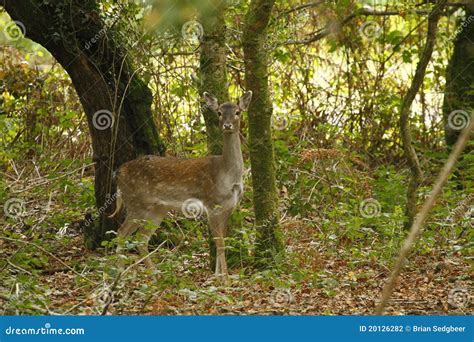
[{"x": 151, "y": 186}]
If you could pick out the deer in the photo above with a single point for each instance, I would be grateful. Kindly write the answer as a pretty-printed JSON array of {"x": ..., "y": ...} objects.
[{"x": 151, "y": 186}]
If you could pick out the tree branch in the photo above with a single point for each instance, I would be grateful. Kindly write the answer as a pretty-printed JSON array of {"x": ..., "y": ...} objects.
[
  {"x": 405, "y": 129},
  {"x": 325, "y": 31},
  {"x": 420, "y": 219}
]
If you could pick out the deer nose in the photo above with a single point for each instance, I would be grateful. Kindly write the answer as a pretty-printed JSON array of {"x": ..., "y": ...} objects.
[{"x": 228, "y": 126}]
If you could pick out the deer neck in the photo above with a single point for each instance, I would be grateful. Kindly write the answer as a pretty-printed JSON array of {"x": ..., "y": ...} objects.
[{"x": 232, "y": 155}]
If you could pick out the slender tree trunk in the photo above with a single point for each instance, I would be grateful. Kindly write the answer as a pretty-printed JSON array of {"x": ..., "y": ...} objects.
[
  {"x": 405, "y": 130},
  {"x": 213, "y": 71},
  {"x": 458, "y": 103},
  {"x": 213, "y": 79},
  {"x": 117, "y": 103},
  {"x": 262, "y": 157}
]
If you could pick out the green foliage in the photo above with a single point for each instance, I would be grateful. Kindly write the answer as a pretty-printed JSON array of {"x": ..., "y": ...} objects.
[{"x": 336, "y": 144}]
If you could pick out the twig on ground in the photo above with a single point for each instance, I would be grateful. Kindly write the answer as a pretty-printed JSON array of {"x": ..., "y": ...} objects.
[
  {"x": 51, "y": 255},
  {"x": 117, "y": 279}
]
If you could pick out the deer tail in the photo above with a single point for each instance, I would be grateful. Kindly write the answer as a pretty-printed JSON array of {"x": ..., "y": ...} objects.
[{"x": 118, "y": 204}]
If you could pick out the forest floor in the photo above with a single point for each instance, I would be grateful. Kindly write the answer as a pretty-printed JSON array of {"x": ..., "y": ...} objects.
[
  {"x": 322, "y": 281},
  {"x": 342, "y": 227}
]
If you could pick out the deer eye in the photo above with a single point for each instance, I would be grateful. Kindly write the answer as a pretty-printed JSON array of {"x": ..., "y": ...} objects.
[
  {"x": 219, "y": 112},
  {"x": 237, "y": 112}
]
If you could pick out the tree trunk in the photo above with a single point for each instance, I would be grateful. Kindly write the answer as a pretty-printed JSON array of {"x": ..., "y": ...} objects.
[
  {"x": 117, "y": 103},
  {"x": 458, "y": 103},
  {"x": 213, "y": 79},
  {"x": 261, "y": 150},
  {"x": 416, "y": 176},
  {"x": 213, "y": 72}
]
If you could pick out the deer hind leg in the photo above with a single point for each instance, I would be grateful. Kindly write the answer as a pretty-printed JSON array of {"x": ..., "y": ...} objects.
[
  {"x": 145, "y": 233},
  {"x": 128, "y": 227}
]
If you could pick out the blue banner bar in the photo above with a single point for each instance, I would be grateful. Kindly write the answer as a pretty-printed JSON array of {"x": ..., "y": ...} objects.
[{"x": 237, "y": 328}]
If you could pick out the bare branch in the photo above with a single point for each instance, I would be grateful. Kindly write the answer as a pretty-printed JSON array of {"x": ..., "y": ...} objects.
[{"x": 325, "y": 31}]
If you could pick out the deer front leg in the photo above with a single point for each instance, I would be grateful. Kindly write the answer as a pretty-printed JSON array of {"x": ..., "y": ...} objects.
[
  {"x": 221, "y": 263},
  {"x": 145, "y": 233},
  {"x": 217, "y": 224}
]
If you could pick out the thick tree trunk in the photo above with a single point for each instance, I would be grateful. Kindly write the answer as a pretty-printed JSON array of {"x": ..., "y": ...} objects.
[
  {"x": 458, "y": 106},
  {"x": 117, "y": 103},
  {"x": 265, "y": 196}
]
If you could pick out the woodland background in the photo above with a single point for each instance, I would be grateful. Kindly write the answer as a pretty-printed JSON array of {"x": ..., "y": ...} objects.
[{"x": 330, "y": 187}]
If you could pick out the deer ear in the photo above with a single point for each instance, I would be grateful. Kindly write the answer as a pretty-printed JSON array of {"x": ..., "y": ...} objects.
[
  {"x": 244, "y": 101},
  {"x": 211, "y": 102}
]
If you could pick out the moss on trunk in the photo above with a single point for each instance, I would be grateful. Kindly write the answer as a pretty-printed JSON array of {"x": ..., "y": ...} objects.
[
  {"x": 213, "y": 74},
  {"x": 104, "y": 79},
  {"x": 265, "y": 196}
]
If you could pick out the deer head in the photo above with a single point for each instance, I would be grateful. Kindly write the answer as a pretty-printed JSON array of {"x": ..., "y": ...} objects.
[{"x": 229, "y": 113}]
